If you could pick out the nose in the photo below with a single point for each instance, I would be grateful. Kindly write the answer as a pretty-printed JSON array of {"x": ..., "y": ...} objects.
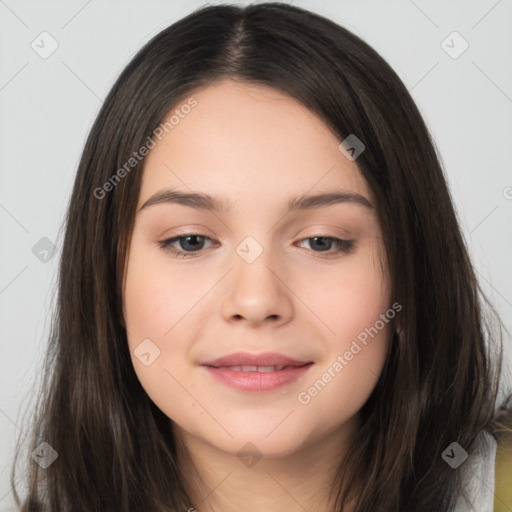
[{"x": 257, "y": 293}]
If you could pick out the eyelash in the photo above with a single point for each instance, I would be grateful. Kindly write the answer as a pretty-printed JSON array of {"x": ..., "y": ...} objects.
[{"x": 344, "y": 246}]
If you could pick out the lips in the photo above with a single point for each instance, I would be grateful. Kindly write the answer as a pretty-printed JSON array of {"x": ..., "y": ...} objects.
[
  {"x": 256, "y": 372},
  {"x": 246, "y": 360},
  {"x": 251, "y": 368}
]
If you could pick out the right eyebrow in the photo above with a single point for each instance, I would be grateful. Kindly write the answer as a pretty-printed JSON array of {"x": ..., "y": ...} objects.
[{"x": 193, "y": 199}]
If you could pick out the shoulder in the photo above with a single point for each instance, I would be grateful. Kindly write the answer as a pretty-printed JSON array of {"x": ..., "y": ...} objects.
[{"x": 478, "y": 477}]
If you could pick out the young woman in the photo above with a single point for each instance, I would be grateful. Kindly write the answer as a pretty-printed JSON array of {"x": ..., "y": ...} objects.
[{"x": 265, "y": 301}]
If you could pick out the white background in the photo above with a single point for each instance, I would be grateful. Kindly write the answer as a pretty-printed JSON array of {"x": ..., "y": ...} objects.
[{"x": 48, "y": 105}]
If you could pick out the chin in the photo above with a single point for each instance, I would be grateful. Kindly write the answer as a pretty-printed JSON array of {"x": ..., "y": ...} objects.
[{"x": 271, "y": 439}]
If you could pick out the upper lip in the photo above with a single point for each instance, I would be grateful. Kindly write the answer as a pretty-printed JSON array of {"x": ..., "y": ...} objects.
[{"x": 248, "y": 359}]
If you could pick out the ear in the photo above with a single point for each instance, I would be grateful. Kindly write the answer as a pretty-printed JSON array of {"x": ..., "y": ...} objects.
[
  {"x": 121, "y": 314},
  {"x": 121, "y": 308},
  {"x": 397, "y": 326},
  {"x": 122, "y": 322},
  {"x": 397, "y": 320}
]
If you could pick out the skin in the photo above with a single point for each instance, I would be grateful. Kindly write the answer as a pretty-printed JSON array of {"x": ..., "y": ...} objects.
[{"x": 257, "y": 148}]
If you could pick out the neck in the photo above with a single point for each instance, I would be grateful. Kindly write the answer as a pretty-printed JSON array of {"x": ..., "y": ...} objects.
[{"x": 303, "y": 480}]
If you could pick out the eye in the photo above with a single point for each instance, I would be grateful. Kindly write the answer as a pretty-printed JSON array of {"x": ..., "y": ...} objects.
[
  {"x": 325, "y": 244},
  {"x": 190, "y": 243},
  {"x": 194, "y": 242}
]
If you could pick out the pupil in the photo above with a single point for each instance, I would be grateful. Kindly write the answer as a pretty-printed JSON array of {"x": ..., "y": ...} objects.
[
  {"x": 193, "y": 246},
  {"x": 322, "y": 246}
]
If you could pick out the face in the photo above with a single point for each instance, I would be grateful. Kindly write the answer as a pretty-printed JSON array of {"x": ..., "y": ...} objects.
[{"x": 255, "y": 314}]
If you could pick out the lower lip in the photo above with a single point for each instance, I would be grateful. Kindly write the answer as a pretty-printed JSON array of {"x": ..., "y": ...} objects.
[{"x": 258, "y": 381}]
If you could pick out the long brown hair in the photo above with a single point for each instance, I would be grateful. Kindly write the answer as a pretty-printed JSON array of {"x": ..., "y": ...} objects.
[{"x": 115, "y": 447}]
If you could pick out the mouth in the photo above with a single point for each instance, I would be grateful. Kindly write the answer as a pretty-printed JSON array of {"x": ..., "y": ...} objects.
[
  {"x": 259, "y": 369},
  {"x": 256, "y": 372}
]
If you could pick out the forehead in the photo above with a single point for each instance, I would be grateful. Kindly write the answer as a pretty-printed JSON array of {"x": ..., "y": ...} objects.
[{"x": 243, "y": 139}]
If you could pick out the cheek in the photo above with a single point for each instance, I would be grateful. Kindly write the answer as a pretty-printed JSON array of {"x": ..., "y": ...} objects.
[
  {"x": 154, "y": 303},
  {"x": 349, "y": 298},
  {"x": 354, "y": 305},
  {"x": 157, "y": 295}
]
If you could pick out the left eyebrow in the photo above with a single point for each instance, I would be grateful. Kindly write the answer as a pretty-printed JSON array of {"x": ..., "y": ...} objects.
[
  {"x": 202, "y": 201},
  {"x": 321, "y": 200}
]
